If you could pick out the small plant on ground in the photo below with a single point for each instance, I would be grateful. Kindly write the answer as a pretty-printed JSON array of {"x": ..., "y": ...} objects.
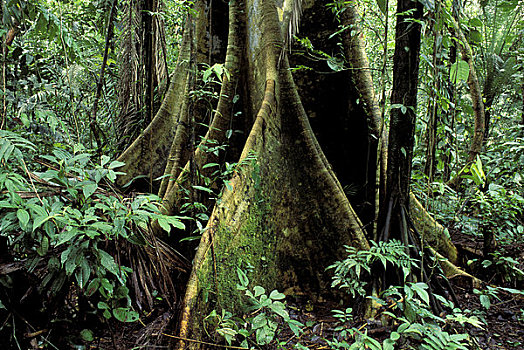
[
  {"x": 264, "y": 315},
  {"x": 407, "y": 308},
  {"x": 348, "y": 273}
]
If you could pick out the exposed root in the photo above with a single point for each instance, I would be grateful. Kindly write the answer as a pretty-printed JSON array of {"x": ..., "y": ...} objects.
[
  {"x": 431, "y": 232},
  {"x": 144, "y": 156},
  {"x": 217, "y": 130}
]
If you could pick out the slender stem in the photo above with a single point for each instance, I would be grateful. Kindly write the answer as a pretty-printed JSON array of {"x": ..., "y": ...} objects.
[{"x": 95, "y": 129}]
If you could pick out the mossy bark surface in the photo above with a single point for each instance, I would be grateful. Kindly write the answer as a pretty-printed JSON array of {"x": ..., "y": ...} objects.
[{"x": 286, "y": 213}]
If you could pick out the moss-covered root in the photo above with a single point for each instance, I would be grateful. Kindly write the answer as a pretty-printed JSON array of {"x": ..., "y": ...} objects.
[
  {"x": 361, "y": 74},
  {"x": 221, "y": 118},
  {"x": 451, "y": 270},
  {"x": 177, "y": 154},
  {"x": 433, "y": 233}
]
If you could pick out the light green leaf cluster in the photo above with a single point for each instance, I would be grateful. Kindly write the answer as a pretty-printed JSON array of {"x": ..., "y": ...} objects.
[{"x": 348, "y": 273}]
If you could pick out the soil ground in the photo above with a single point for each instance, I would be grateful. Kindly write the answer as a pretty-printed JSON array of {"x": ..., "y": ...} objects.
[{"x": 503, "y": 321}]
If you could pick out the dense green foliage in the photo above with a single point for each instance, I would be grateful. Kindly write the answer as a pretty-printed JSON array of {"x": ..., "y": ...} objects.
[{"x": 67, "y": 218}]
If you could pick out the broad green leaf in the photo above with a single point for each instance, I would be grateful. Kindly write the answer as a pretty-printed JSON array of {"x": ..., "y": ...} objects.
[
  {"x": 104, "y": 159},
  {"x": 121, "y": 292},
  {"x": 175, "y": 222},
  {"x": 475, "y": 36},
  {"x": 485, "y": 301},
  {"x": 40, "y": 220},
  {"x": 389, "y": 344},
  {"x": 6, "y": 150},
  {"x": 65, "y": 254},
  {"x": 106, "y": 285},
  {"x": 88, "y": 189},
  {"x": 102, "y": 305},
  {"x": 108, "y": 262},
  {"x": 420, "y": 289},
  {"x": 66, "y": 236},
  {"x": 228, "y": 334},
  {"x": 512, "y": 290},
  {"x": 125, "y": 315},
  {"x": 209, "y": 165},
  {"x": 409, "y": 313},
  {"x": 116, "y": 164},
  {"x": 264, "y": 301},
  {"x": 87, "y": 335},
  {"x": 83, "y": 273},
  {"x": 202, "y": 188},
  {"x": 259, "y": 321},
  {"x": 44, "y": 246},
  {"x": 244, "y": 281},
  {"x": 7, "y": 204},
  {"x": 92, "y": 287},
  {"x": 276, "y": 295},
  {"x": 162, "y": 221},
  {"x": 207, "y": 73},
  {"x": 70, "y": 265},
  {"x": 23, "y": 217},
  {"x": 264, "y": 335},
  {"x": 403, "y": 327},
  {"x": 259, "y": 291},
  {"x": 102, "y": 226},
  {"x": 335, "y": 64},
  {"x": 280, "y": 309},
  {"x": 479, "y": 167},
  {"x": 414, "y": 328},
  {"x": 475, "y": 22}
]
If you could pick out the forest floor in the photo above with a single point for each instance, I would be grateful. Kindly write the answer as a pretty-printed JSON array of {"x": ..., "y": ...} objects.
[
  {"x": 503, "y": 321},
  {"x": 504, "y": 326}
]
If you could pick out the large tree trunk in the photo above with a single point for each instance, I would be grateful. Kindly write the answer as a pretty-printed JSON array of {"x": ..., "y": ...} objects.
[
  {"x": 402, "y": 122},
  {"x": 285, "y": 213}
]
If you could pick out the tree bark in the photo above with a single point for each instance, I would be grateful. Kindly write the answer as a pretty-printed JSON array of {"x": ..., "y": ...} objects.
[
  {"x": 355, "y": 53},
  {"x": 142, "y": 68},
  {"x": 93, "y": 125},
  {"x": 433, "y": 112},
  {"x": 404, "y": 101}
]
